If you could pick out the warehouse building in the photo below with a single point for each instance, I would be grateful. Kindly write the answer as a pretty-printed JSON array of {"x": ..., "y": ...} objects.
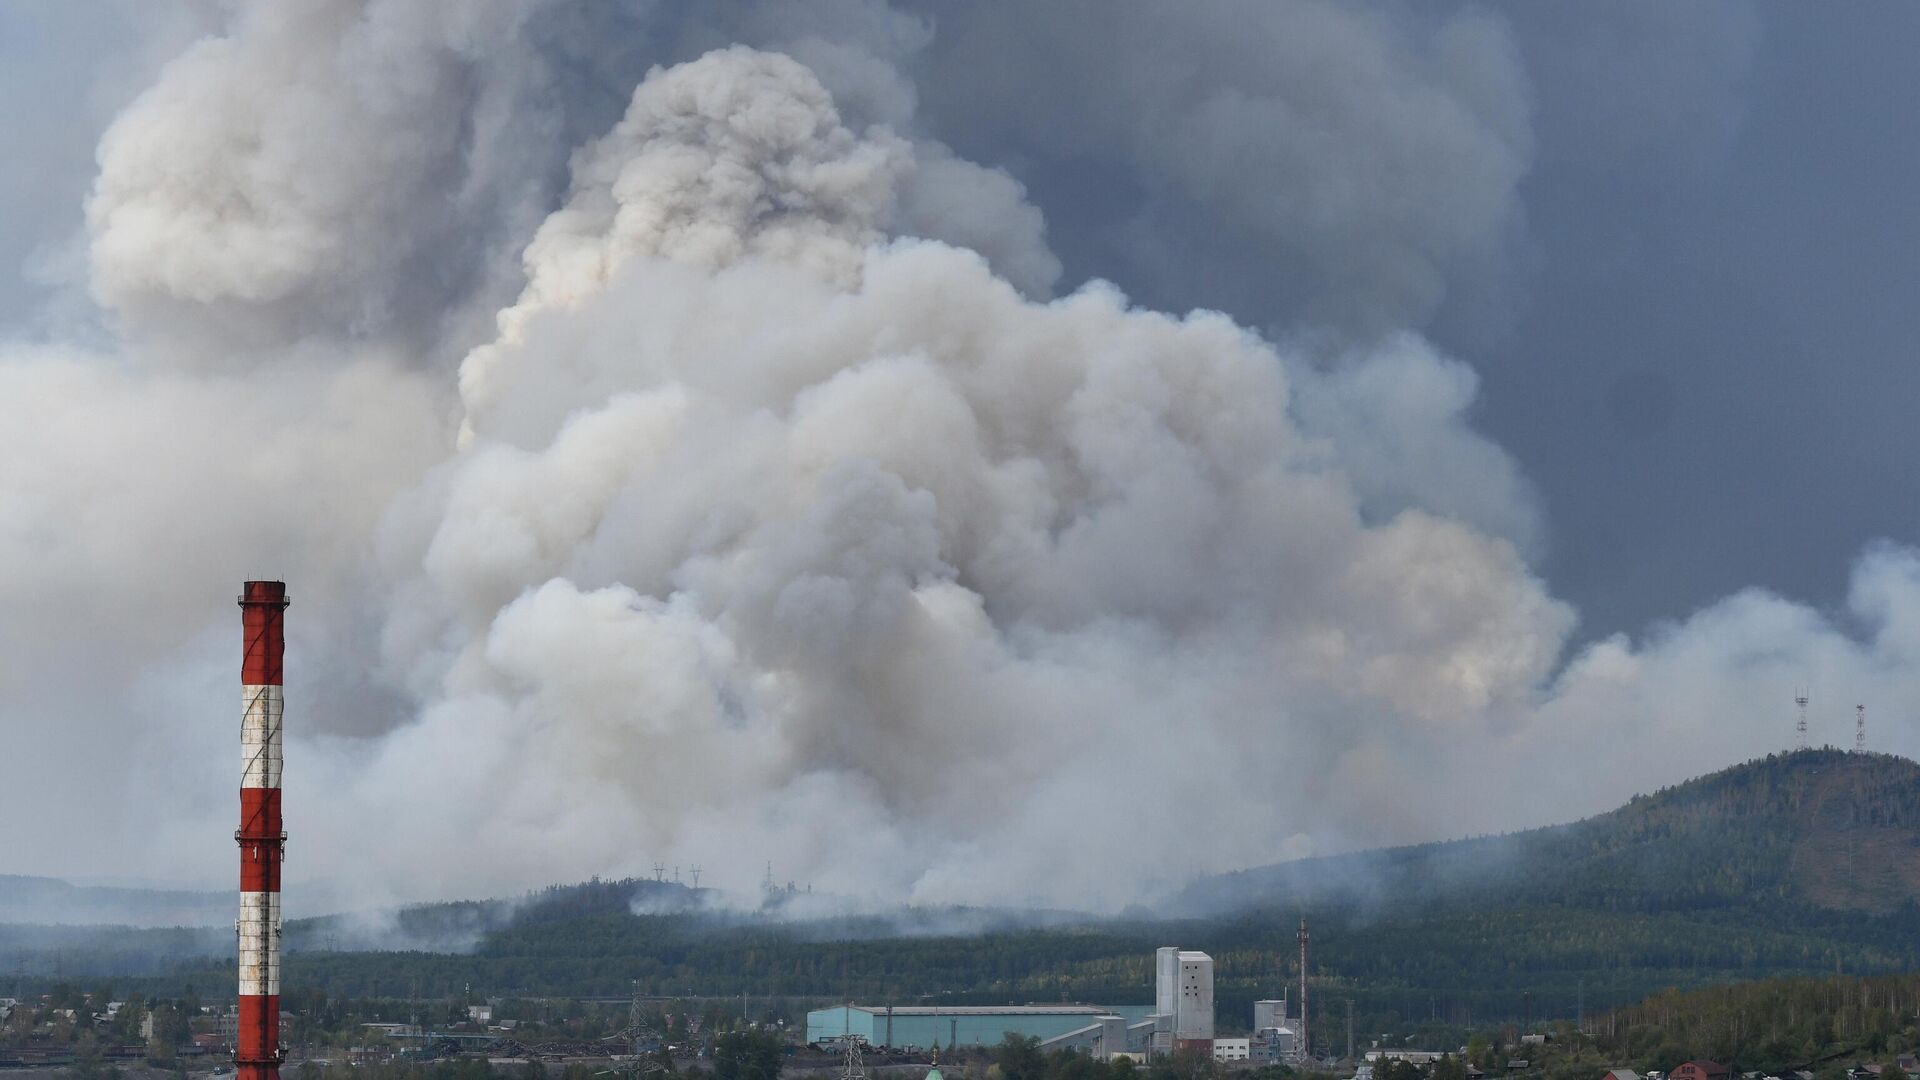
[
  {"x": 1180, "y": 1018},
  {"x": 1093, "y": 1027}
]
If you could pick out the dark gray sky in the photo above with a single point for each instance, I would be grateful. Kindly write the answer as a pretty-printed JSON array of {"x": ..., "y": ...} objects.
[{"x": 1712, "y": 380}]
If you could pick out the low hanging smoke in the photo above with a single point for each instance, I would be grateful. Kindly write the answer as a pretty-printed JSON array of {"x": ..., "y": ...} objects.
[{"x": 731, "y": 486}]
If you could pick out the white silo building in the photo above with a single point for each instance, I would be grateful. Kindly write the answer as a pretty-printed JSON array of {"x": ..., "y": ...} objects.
[{"x": 1183, "y": 992}]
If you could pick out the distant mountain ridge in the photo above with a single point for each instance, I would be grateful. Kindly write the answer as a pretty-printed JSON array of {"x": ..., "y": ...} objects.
[
  {"x": 1820, "y": 829},
  {"x": 52, "y": 902}
]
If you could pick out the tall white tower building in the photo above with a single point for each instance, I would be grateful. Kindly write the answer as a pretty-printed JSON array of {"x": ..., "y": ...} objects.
[
  {"x": 1194, "y": 1021},
  {"x": 1183, "y": 991},
  {"x": 1166, "y": 981}
]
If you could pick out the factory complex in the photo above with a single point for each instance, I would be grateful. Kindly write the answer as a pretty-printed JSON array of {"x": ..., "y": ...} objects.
[
  {"x": 1181, "y": 1018},
  {"x": 923, "y": 1026}
]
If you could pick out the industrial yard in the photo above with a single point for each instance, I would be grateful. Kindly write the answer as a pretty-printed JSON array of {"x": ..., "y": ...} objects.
[{"x": 1181, "y": 1020}]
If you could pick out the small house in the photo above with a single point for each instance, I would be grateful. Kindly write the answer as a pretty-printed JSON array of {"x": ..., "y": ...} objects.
[{"x": 1701, "y": 1070}]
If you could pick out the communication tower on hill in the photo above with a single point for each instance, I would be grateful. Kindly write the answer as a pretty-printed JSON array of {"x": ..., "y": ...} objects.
[
  {"x": 1859, "y": 729},
  {"x": 1800, "y": 727}
]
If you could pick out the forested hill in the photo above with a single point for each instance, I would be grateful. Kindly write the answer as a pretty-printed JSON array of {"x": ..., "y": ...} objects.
[
  {"x": 1805, "y": 864},
  {"x": 1815, "y": 829},
  {"x": 1773, "y": 1025}
]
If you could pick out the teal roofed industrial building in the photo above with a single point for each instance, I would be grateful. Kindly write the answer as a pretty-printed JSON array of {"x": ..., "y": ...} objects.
[{"x": 925, "y": 1026}]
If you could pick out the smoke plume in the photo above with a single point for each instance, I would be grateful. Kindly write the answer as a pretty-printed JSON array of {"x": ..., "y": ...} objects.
[{"x": 680, "y": 451}]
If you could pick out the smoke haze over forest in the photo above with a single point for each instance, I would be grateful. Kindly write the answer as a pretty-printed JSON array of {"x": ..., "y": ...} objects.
[{"x": 946, "y": 451}]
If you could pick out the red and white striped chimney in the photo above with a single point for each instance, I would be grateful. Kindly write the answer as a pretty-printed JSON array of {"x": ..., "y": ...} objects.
[{"x": 257, "y": 1054}]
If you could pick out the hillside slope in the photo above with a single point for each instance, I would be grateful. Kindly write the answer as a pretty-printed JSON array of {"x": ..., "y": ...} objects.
[{"x": 1818, "y": 828}]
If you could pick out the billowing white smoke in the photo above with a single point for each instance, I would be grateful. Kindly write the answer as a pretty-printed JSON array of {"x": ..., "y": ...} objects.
[
  {"x": 782, "y": 516},
  {"x": 772, "y": 539},
  {"x": 362, "y": 194}
]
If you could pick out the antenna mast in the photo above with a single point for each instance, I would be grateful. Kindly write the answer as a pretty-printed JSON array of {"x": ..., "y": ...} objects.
[
  {"x": 1800, "y": 699},
  {"x": 1859, "y": 729}
]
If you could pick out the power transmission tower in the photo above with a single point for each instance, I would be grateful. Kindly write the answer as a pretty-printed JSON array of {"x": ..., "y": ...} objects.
[
  {"x": 851, "y": 1068},
  {"x": 694, "y": 872},
  {"x": 639, "y": 1038}
]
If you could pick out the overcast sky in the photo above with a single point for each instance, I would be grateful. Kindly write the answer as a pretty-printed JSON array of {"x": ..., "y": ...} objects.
[{"x": 1586, "y": 326}]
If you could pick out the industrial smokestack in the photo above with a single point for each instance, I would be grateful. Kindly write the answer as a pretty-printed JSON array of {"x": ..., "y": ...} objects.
[
  {"x": 257, "y": 1054},
  {"x": 1306, "y": 1045}
]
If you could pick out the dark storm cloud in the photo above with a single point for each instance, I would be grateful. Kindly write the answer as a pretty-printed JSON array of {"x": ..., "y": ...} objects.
[
  {"x": 1712, "y": 377},
  {"x": 1343, "y": 165}
]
